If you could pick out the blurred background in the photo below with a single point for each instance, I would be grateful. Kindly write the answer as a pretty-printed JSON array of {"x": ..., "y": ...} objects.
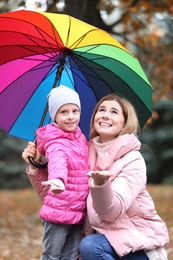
[{"x": 145, "y": 28}]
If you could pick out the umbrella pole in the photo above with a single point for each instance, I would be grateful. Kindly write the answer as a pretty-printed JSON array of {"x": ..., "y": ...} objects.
[
  {"x": 60, "y": 69},
  {"x": 58, "y": 74}
]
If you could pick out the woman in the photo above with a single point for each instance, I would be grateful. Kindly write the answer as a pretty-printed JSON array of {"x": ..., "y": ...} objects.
[{"x": 120, "y": 210}]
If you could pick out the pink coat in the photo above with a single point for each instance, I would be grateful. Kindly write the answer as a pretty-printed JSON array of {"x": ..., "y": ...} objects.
[
  {"x": 36, "y": 178},
  {"x": 122, "y": 209},
  {"x": 67, "y": 156}
]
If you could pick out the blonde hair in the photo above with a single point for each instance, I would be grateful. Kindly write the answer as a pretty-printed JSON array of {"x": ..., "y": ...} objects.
[{"x": 130, "y": 116}]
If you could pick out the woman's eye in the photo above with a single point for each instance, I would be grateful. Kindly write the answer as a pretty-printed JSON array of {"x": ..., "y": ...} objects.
[
  {"x": 114, "y": 112},
  {"x": 101, "y": 110}
]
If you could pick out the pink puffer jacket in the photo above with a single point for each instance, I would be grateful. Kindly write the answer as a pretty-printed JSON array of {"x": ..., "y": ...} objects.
[
  {"x": 67, "y": 156},
  {"x": 122, "y": 209}
]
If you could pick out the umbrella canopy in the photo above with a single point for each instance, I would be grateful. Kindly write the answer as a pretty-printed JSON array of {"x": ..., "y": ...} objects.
[{"x": 39, "y": 51}]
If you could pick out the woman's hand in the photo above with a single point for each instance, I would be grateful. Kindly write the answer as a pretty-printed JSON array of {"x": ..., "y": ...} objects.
[
  {"x": 31, "y": 151},
  {"x": 99, "y": 177}
]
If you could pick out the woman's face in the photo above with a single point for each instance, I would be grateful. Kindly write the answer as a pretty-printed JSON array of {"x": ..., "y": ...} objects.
[{"x": 109, "y": 120}]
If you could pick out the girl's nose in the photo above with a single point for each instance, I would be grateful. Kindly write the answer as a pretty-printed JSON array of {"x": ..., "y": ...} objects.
[{"x": 71, "y": 115}]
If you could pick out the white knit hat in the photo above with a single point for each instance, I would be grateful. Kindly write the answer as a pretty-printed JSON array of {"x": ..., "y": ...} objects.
[{"x": 60, "y": 96}]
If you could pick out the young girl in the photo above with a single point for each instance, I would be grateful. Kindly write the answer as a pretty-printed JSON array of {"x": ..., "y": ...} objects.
[
  {"x": 119, "y": 208},
  {"x": 64, "y": 195}
]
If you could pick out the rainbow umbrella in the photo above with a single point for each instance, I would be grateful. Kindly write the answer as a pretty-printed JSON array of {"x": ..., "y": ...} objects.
[{"x": 40, "y": 51}]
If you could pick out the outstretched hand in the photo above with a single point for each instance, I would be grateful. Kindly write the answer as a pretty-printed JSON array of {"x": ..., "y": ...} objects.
[
  {"x": 55, "y": 185},
  {"x": 99, "y": 177}
]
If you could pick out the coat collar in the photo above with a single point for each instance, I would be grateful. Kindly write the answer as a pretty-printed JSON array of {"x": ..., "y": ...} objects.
[{"x": 107, "y": 153}]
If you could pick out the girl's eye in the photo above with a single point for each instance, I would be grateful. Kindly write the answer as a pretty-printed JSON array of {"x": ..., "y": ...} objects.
[{"x": 76, "y": 111}]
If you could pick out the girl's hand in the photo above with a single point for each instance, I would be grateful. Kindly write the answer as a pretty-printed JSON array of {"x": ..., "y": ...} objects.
[
  {"x": 55, "y": 185},
  {"x": 31, "y": 151},
  {"x": 99, "y": 177}
]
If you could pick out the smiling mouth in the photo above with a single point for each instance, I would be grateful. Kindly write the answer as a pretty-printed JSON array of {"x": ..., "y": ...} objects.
[
  {"x": 70, "y": 123},
  {"x": 105, "y": 124}
]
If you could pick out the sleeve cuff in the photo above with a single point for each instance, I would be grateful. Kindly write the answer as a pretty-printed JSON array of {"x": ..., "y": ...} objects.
[
  {"x": 31, "y": 170},
  {"x": 96, "y": 186}
]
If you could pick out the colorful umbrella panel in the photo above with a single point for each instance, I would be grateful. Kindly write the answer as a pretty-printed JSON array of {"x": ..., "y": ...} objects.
[{"x": 40, "y": 51}]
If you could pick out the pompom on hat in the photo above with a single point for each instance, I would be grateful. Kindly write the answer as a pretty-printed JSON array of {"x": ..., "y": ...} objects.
[{"x": 60, "y": 96}]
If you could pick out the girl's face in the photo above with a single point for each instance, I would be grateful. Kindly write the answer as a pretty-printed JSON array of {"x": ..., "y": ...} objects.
[
  {"x": 109, "y": 120},
  {"x": 68, "y": 117}
]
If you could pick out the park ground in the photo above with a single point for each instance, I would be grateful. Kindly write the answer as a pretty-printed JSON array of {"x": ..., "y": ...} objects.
[{"x": 21, "y": 228}]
